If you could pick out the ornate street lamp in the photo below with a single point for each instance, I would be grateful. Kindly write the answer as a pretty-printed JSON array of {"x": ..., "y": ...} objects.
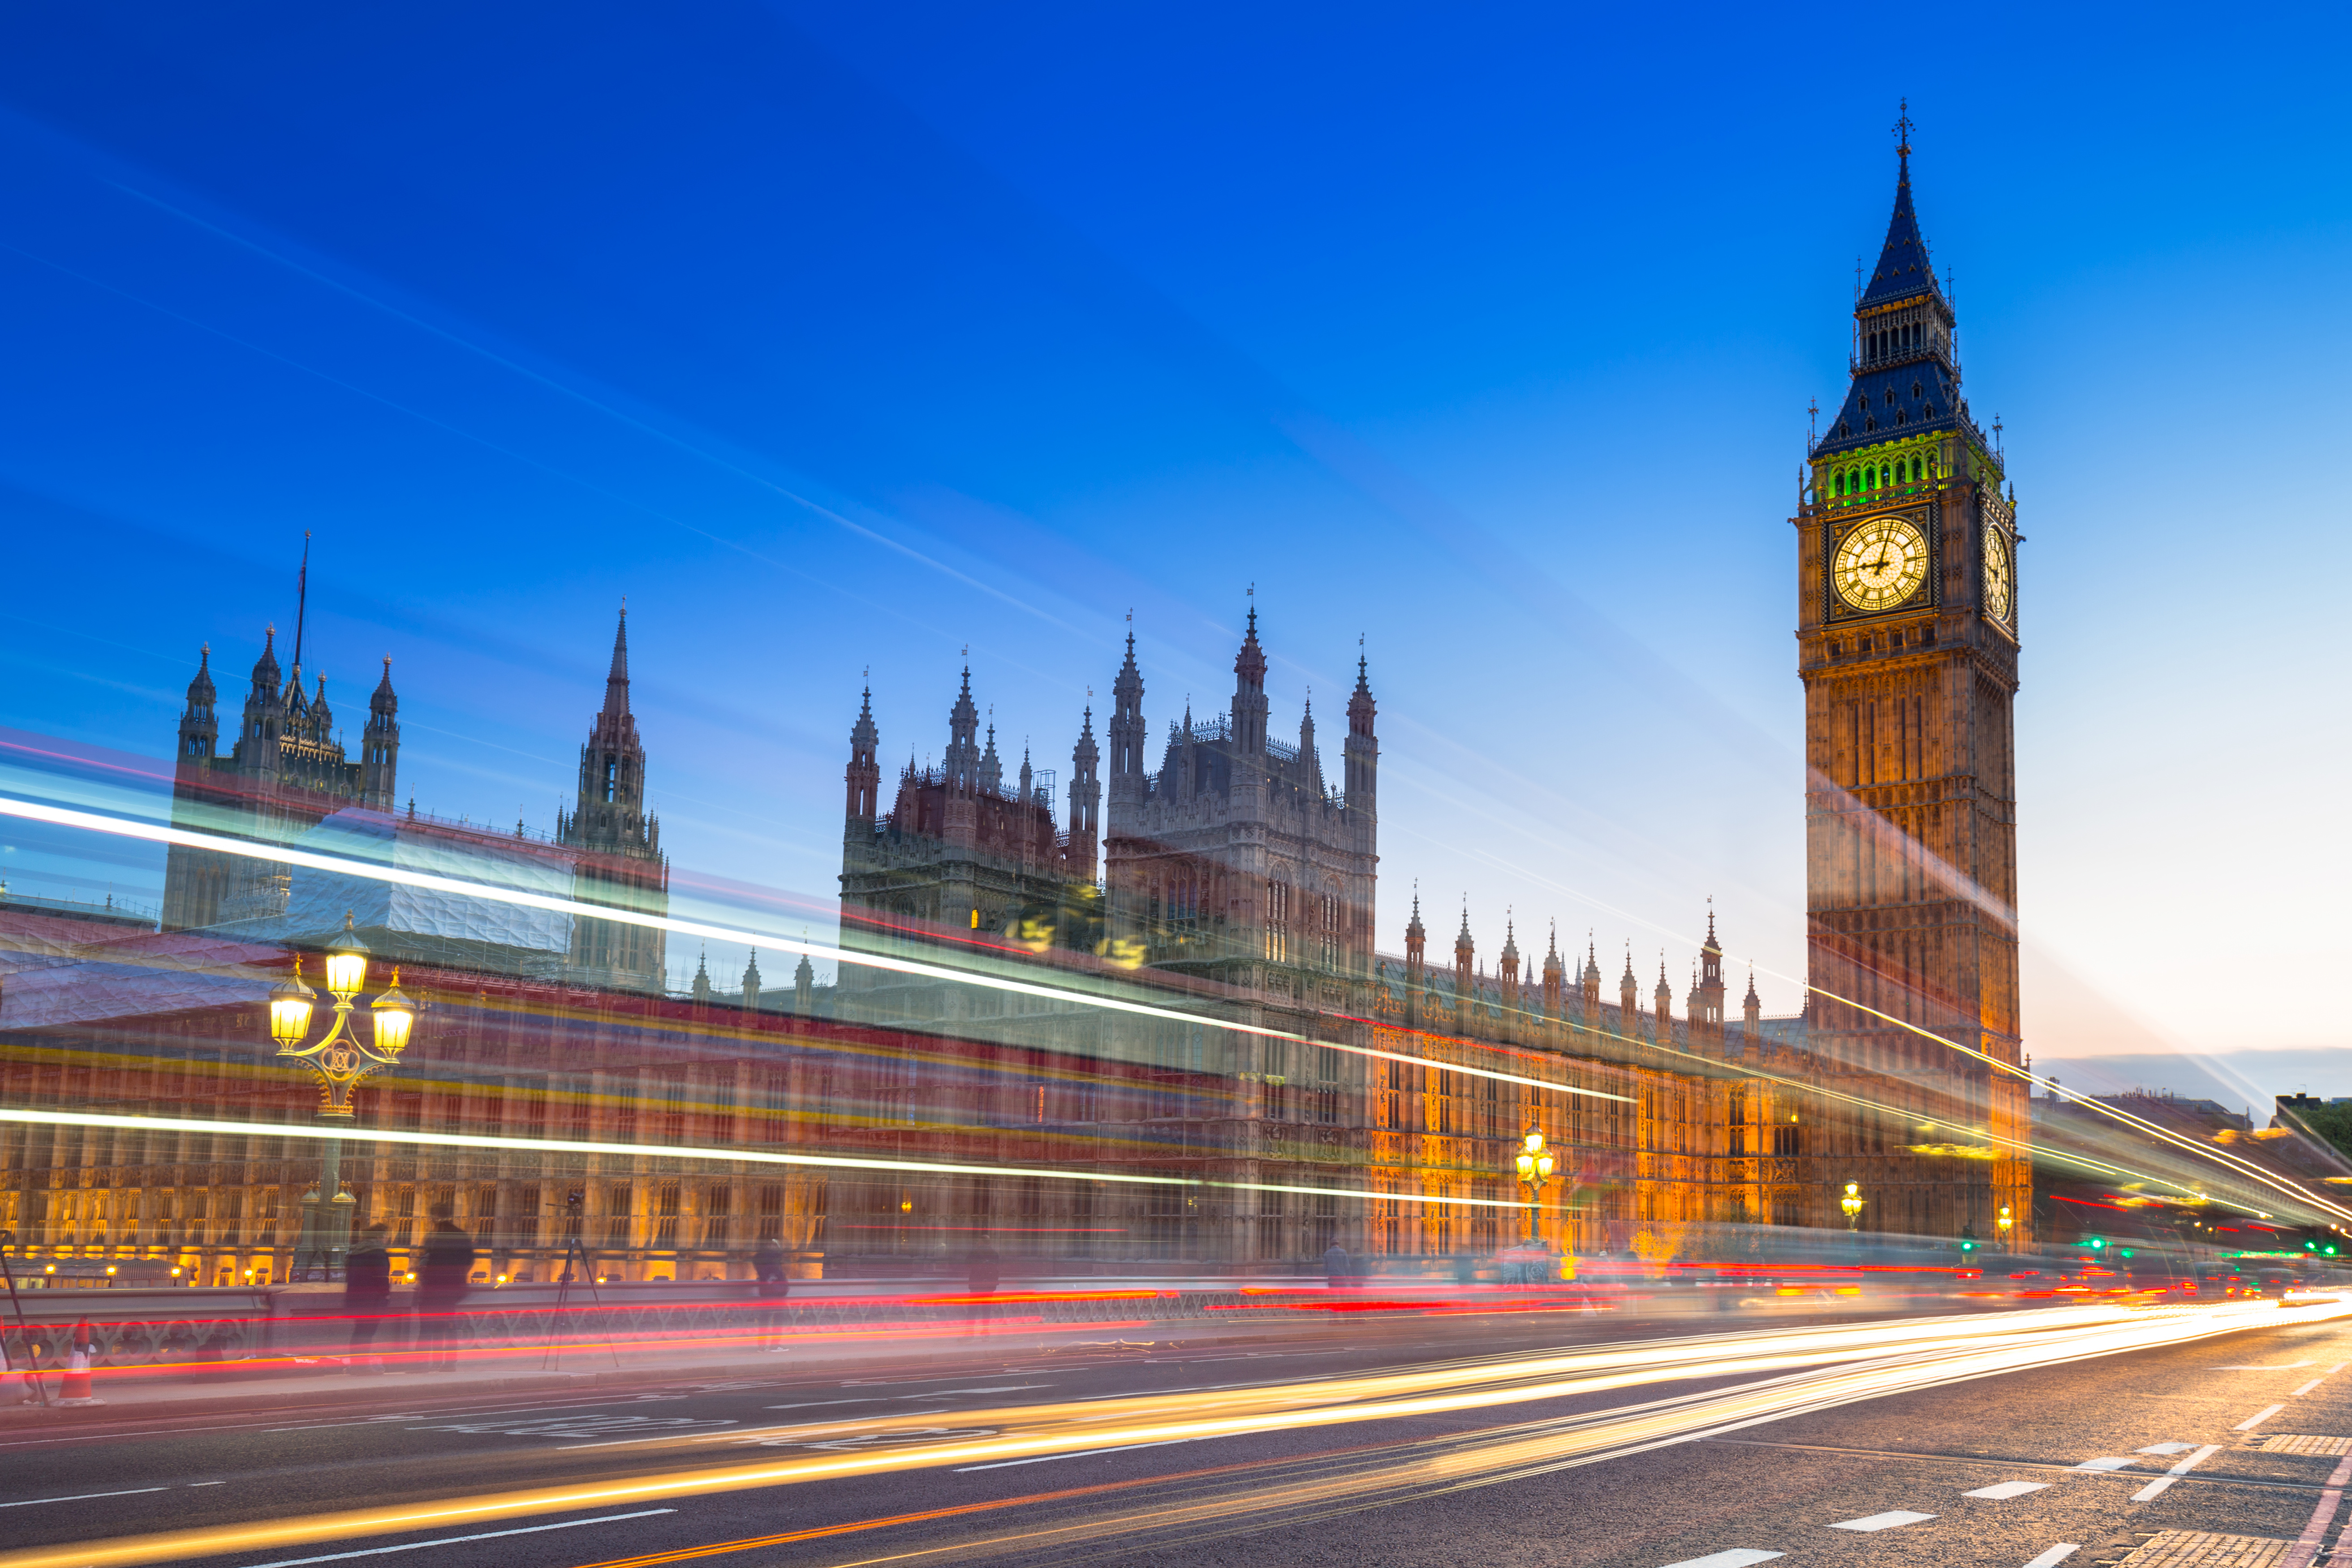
[
  {"x": 341, "y": 1059},
  {"x": 2002, "y": 1225},
  {"x": 1851, "y": 1203},
  {"x": 1534, "y": 1170}
]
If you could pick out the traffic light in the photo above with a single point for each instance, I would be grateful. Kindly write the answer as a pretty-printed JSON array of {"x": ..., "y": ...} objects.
[
  {"x": 2094, "y": 1243},
  {"x": 1968, "y": 1238}
]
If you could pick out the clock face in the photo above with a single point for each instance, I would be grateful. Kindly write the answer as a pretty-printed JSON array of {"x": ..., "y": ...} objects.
[
  {"x": 1996, "y": 573},
  {"x": 1880, "y": 565}
]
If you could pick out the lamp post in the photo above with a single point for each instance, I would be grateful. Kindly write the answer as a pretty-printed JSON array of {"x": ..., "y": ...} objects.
[
  {"x": 1534, "y": 1170},
  {"x": 1851, "y": 1203},
  {"x": 2002, "y": 1225},
  {"x": 341, "y": 1059}
]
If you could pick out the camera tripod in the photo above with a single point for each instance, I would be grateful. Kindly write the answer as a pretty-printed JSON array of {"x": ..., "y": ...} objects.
[{"x": 575, "y": 1256}]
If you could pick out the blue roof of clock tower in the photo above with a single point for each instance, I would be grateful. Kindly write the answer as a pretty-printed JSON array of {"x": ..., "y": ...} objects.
[
  {"x": 1903, "y": 270},
  {"x": 1920, "y": 391}
]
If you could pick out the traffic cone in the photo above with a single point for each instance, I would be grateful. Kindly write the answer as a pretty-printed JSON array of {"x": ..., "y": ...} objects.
[{"x": 76, "y": 1383}]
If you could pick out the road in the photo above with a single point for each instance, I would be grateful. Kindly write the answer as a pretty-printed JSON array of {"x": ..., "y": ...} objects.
[{"x": 1995, "y": 1438}]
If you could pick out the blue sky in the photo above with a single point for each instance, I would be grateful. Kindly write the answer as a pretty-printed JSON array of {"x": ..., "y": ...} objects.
[{"x": 848, "y": 337}]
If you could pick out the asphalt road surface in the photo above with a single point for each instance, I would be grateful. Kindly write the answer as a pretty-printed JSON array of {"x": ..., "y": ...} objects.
[{"x": 2073, "y": 1436}]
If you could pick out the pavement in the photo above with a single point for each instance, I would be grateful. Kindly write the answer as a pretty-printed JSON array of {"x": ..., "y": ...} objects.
[{"x": 1387, "y": 1440}]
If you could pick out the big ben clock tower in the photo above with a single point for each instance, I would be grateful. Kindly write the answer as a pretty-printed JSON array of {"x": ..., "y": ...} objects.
[{"x": 1907, "y": 640}]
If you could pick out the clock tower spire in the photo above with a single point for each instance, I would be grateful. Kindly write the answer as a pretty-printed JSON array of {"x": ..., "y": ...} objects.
[{"x": 1907, "y": 647}]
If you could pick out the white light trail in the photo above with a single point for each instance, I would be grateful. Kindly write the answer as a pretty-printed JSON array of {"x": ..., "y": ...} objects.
[{"x": 160, "y": 833}]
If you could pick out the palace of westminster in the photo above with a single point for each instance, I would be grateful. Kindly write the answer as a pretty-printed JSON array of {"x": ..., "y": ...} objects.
[{"x": 1170, "y": 971}]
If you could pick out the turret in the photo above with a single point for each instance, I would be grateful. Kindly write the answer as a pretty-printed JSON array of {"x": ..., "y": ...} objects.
[
  {"x": 1752, "y": 1009},
  {"x": 1629, "y": 1005},
  {"x": 1416, "y": 944},
  {"x": 1511, "y": 962},
  {"x": 1706, "y": 996},
  {"x": 380, "y": 745},
  {"x": 1249, "y": 693},
  {"x": 199, "y": 720},
  {"x": 1128, "y": 782},
  {"x": 1464, "y": 950},
  {"x": 701, "y": 988},
  {"x": 863, "y": 774},
  {"x": 257, "y": 754},
  {"x": 804, "y": 989},
  {"x": 1310, "y": 765},
  {"x": 1086, "y": 800},
  {"x": 1362, "y": 751},
  {"x": 751, "y": 983},
  {"x": 1665, "y": 998},
  {"x": 1555, "y": 974},
  {"x": 962, "y": 761},
  {"x": 616, "y": 843},
  {"x": 991, "y": 773},
  {"x": 1589, "y": 984}
]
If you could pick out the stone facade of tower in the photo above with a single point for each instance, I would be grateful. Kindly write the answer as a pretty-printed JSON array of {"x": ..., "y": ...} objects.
[
  {"x": 962, "y": 851},
  {"x": 1236, "y": 861},
  {"x": 616, "y": 845},
  {"x": 285, "y": 772},
  {"x": 1907, "y": 646}
]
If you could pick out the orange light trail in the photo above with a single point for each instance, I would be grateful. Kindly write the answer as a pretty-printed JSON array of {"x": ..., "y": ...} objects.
[{"x": 1858, "y": 1363}]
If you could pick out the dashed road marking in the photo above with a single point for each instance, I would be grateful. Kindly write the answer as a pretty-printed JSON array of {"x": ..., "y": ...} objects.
[
  {"x": 1894, "y": 1518},
  {"x": 1999, "y": 1491},
  {"x": 2168, "y": 1447},
  {"x": 2111, "y": 1462},
  {"x": 2257, "y": 1418},
  {"x": 2055, "y": 1555},
  {"x": 1737, "y": 1557}
]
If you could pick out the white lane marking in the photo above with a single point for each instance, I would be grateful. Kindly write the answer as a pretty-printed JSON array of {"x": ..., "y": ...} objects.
[
  {"x": 461, "y": 1540},
  {"x": 1082, "y": 1454},
  {"x": 2284, "y": 1366},
  {"x": 2112, "y": 1462},
  {"x": 2055, "y": 1555},
  {"x": 1000, "y": 1388},
  {"x": 2257, "y": 1418},
  {"x": 84, "y": 1497},
  {"x": 2307, "y": 1387},
  {"x": 2168, "y": 1447},
  {"x": 208, "y": 1483},
  {"x": 1737, "y": 1557},
  {"x": 1894, "y": 1518},
  {"x": 2002, "y": 1489},
  {"x": 2155, "y": 1489}
]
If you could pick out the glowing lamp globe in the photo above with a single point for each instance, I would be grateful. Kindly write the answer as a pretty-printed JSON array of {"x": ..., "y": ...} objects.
[
  {"x": 347, "y": 961},
  {"x": 1526, "y": 1166},
  {"x": 290, "y": 1009},
  {"x": 393, "y": 1017}
]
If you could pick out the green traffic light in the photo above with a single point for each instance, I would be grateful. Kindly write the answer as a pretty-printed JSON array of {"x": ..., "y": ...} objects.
[{"x": 2095, "y": 1243}]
